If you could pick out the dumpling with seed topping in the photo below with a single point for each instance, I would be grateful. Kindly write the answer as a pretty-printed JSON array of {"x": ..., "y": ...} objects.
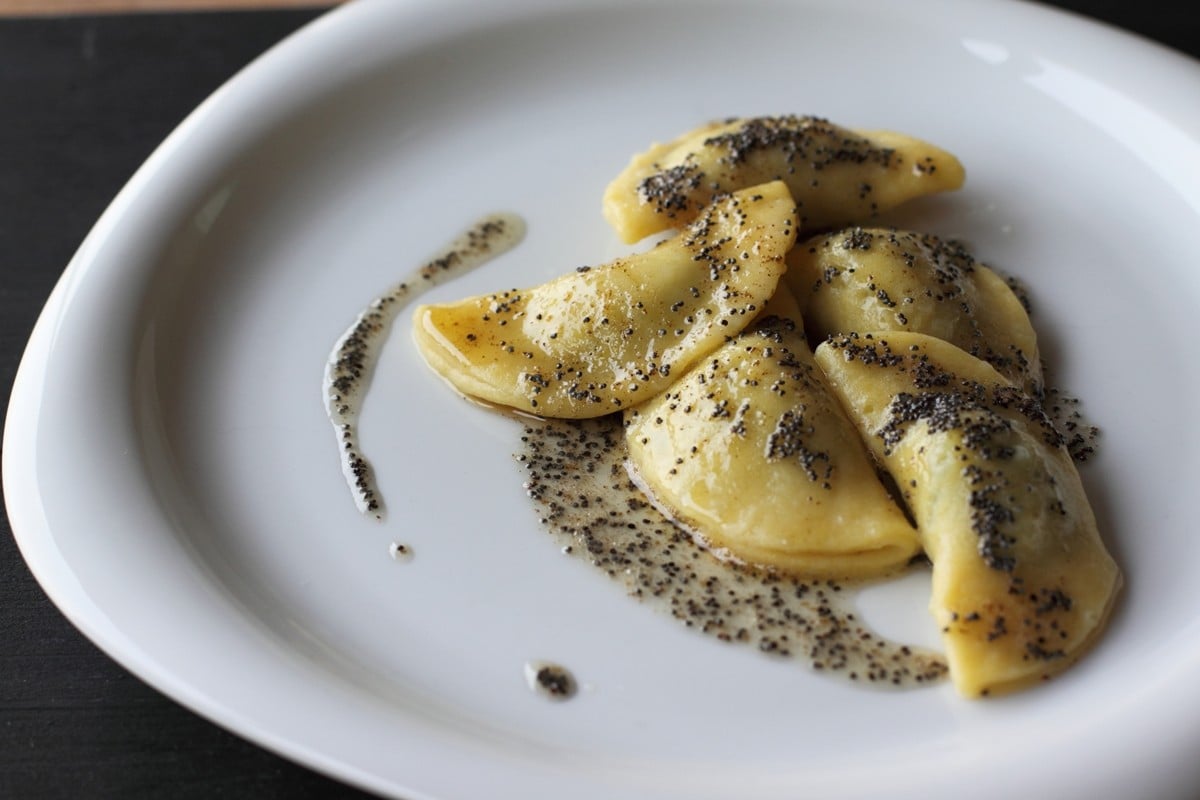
[
  {"x": 1022, "y": 582},
  {"x": 837, "y": 176},
  {"x": 603, "y": 338},
  {"x": 751, "y": 452},
  {"x": 876, "y": 279}
]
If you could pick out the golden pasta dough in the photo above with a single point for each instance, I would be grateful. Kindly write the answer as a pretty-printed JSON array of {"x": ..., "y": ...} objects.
[
  {"x": 751, "y": 451},
  {"x": 865, "y": 279},
  {"x": 837, "y": 176},
  {"x": 602, "y": 338},
  {"x": 1022, "y": 582}
]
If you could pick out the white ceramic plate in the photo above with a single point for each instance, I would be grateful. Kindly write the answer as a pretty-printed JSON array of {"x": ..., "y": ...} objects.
[{"x": 173, "y": 483}]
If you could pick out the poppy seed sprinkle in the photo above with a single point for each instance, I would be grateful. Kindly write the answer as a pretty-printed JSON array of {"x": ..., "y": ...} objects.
[{"x": 582, "y": 494}]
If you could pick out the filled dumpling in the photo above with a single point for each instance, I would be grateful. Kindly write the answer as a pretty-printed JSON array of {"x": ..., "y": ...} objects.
[
  {"x": 751, "y": 452},
  {"x": 1022, "y": 582},
  {"x": 837, "y": 176},
  {"x": 602, "y": 338},
  {"x": 863, "y": 279}
]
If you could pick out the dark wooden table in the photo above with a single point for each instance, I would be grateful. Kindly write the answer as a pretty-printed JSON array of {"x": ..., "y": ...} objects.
[{"x": 83, "y": 100}]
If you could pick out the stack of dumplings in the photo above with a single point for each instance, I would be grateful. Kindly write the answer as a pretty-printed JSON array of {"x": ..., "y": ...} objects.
[{"x": 798, "y": 389}]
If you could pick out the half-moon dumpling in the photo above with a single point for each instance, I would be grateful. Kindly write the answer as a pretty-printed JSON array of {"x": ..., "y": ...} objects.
[
  {"x": 837, "y": 176},
  {"x": 751, "y": 452},
  {"x": 602, "y": 338},
  {"x": 878, "y": 279},
  {"x": 1022, "y": 582}
]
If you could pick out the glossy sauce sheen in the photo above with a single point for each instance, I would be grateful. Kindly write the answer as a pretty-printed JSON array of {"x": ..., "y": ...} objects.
[
  {"x": 577, "y": 479},
  {"x": 350, "y": 365}
]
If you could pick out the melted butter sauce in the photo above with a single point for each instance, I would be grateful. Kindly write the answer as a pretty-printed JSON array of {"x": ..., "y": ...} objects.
[
  {"x": 352, "y": 362},
  {"x": 578, "y": 483}
]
